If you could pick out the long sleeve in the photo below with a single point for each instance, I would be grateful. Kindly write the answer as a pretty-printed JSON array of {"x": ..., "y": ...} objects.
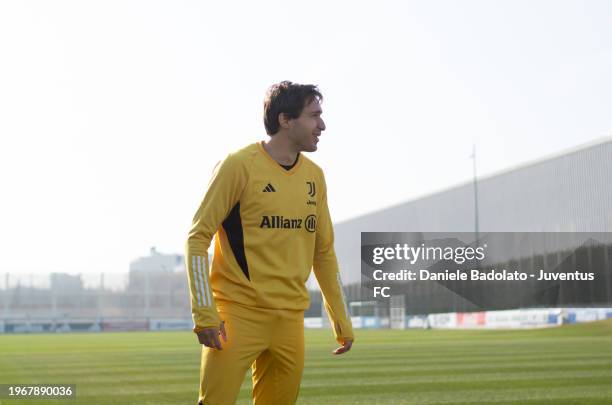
[
  {"x": 326, "y": 270},
  {"x": 224, "y": 191}
]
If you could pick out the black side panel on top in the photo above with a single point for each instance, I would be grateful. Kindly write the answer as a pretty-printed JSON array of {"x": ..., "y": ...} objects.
[{"x": 235, "y": 237}]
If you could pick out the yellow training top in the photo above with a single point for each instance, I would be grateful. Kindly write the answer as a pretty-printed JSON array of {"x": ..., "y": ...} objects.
[{"x": 272, "y": 226}]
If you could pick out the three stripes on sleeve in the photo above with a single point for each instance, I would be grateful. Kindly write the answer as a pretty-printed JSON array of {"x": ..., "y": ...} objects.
[
  {"x": 199, "y": 269},
  {"x": 346, "y": 310}
]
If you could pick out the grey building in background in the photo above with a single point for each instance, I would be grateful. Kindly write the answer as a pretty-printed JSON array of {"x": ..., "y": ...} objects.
[{"x": 568, "y": 192}]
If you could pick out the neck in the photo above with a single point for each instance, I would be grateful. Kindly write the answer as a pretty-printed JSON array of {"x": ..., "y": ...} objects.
[{"x": 281, "y": 149}]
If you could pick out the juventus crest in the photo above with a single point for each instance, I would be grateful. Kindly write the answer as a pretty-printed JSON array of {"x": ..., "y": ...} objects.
[{"x": 311, "y": 188}]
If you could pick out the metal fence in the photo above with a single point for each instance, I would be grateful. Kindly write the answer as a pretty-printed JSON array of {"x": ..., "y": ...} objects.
[
  {"x": 160, "y": 295},
  {"x": 134, "y": 295}
]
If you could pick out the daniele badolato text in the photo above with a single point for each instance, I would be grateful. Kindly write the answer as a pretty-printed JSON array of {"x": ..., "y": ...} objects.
[
  {"x": 478, "y": 275},
  {"x": 457, "y": 255}
]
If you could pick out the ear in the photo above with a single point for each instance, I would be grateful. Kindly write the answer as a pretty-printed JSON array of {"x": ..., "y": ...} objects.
[{"x": 284, "y": 121}]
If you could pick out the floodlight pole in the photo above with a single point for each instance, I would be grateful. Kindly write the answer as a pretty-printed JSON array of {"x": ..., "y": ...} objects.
[
  {"x": 476, "y": 230},
  {"x": 6, "y": 296}
]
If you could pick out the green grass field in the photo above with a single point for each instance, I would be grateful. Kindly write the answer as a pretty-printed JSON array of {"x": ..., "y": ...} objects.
[{"x": 566, "y": 365}]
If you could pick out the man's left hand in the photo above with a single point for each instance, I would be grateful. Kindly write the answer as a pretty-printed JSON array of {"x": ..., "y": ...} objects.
[{"x": 345, "y": 347}]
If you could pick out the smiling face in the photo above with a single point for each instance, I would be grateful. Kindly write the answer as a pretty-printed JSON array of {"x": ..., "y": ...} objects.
[{"x": 304, "y": 131}]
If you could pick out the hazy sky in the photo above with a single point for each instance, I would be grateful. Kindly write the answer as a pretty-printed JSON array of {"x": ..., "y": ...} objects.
[{"x": 113, "y": 113}]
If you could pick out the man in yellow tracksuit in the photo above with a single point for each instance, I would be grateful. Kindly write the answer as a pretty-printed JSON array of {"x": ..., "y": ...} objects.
[{"x": 266, "y": 205}]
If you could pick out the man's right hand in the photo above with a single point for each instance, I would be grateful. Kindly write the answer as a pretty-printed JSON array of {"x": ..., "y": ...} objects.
[{"x": 210, "y": 336}]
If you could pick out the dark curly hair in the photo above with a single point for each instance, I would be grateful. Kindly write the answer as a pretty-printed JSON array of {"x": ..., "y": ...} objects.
[{"x": 288, "y": 98}]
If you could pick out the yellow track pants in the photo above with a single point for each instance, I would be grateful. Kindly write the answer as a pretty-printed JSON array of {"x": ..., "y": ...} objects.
[{"x": 271, "y": 341}]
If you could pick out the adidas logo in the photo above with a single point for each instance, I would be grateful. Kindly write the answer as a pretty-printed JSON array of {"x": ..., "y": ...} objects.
[{"x": 269, "y": 189}]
